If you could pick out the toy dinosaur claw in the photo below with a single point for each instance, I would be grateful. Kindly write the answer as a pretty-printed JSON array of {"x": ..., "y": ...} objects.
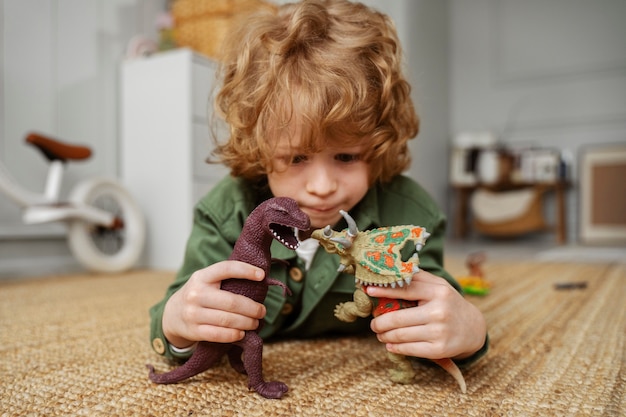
[
  {"x": 286, "y": 290},
  {"x": 272, "y": 389}
]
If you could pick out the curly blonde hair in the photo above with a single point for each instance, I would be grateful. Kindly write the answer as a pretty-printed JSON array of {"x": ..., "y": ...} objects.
[{"x": 333, "y": 67}]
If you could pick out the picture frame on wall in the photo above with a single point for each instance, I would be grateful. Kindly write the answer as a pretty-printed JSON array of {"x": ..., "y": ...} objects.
[{"x": 603, "y": 194}]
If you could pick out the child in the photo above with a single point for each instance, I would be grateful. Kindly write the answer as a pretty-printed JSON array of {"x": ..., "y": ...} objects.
[{"x": 318, "y": 111}]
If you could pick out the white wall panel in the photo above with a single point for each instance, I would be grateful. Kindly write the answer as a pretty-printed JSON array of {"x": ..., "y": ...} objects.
[
  {"x": 28, "y": 87},
  {"x": 59, "y": 74}
]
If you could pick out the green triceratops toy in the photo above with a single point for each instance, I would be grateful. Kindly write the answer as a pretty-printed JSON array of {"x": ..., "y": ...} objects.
[{"x": 375, "y": 257}]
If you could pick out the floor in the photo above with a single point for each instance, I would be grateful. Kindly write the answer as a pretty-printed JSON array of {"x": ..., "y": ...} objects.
[
  {"x": 510, "y": 249},
  {"x": 535, "y": 248}
]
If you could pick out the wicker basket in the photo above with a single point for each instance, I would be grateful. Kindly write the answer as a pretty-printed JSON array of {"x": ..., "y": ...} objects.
[{"x": 202, "y": 24}]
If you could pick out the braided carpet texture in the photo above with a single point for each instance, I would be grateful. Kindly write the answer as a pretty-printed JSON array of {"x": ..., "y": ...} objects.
[{"x": 77, "y": 345}]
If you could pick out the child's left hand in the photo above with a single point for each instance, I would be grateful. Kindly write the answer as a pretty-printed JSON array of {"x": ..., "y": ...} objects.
[{"x": 443, "y": 325}]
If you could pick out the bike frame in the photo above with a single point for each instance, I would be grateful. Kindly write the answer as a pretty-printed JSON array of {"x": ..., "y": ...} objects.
[{"x": 46, "y": 207}]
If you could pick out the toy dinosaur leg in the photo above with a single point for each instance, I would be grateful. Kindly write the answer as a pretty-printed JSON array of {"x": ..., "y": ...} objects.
[
  {"x": 205, "y": 356},
  {"x": 403, "y": 373},
  {"x": 453, "y": 370},
  {"x": 234, "y": 357},
  {"x": 360, "y": 307},
  {"x": 252, "y": 346}
]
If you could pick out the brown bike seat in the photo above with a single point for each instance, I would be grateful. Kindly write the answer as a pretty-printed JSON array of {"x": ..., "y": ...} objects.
[{"x": 54, "y": 149}]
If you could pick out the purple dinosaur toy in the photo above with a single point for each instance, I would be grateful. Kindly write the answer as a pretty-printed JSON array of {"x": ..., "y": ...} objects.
[{"x": 275, "y": 218}]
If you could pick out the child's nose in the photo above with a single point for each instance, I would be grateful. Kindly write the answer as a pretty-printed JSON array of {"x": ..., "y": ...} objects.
[{"x": 321, "y": 180}]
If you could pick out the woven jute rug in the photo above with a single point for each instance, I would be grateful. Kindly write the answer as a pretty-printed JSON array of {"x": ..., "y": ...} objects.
[{"x": 78, "y": 345}]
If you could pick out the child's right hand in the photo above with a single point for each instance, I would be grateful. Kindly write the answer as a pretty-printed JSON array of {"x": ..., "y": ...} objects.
[{"x": 201, "y": 311}]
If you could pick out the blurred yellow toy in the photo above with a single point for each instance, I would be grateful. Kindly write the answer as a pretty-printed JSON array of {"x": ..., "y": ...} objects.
[{"x": 475, "y": 283}]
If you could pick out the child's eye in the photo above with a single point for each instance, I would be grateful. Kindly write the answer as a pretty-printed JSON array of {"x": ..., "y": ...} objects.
[
  {"x": 298, "y": 159},
  {"x": 347, "y": 157}
]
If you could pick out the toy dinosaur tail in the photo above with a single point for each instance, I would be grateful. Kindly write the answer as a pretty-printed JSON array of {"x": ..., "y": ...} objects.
[
  {"x": 453, "y": 370},
  {"x": 174, "y": 376},
  {"x": 205, "y": 356}
]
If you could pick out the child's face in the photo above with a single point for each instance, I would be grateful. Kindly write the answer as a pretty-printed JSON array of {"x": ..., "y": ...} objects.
[{"x": 322, "y": 183}]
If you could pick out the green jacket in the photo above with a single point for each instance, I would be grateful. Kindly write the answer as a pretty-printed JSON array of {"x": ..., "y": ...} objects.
[{"x": 308, "y": 311}]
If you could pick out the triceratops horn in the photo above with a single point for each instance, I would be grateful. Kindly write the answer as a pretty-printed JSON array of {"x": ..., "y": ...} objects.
[
  {"x": 346, "y": 243},
  {"x": 352, "y": 229},
  {"x": 327, "y": 232}
]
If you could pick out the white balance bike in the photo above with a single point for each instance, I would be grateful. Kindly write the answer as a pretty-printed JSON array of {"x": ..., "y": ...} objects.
[{"x": 105, "y": 227}]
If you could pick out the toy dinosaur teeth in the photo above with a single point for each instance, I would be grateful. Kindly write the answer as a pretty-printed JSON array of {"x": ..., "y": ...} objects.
[
  {"x": 278, "y": 237},
  {"x": 286, "y": 235},
  {"x": 282, "y": 240},
  {"x": 399, "y": 283}
]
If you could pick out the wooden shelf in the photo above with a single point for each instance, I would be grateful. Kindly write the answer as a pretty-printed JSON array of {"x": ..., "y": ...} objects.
[{"x": 464, "y": 193}]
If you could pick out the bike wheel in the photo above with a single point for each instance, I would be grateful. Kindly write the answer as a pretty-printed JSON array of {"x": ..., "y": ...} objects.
[{"x": 107, "y": 249}]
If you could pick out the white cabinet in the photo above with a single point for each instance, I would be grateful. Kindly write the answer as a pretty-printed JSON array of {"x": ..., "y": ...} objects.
[{"x": 165, "y": 140}]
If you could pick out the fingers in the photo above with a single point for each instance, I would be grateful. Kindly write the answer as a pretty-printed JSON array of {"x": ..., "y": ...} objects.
[
  {"x": 408, "y": 332},
  {"x": 204, "y": 291},
  {"x": 227, "y": 329},
  {"x": 425, "y": 350},
  {"x": 424, "y": 341},
  {"x": 444, "y": 324},
  {"x": 229, "y": 269},
  {"x": 389, "y": 324},
  {"x": 424, "y": 286},
  {"x": 222, "y": 308},
  {"x": 201, "y": 310},
  {"x": 425, "y": 330}
]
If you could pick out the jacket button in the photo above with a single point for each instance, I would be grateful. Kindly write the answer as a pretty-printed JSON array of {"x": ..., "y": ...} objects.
[
  {"x": 296, "y": 274},
  {"x": 158, "y": 346},
  {"x": 287, "y": 309}
]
